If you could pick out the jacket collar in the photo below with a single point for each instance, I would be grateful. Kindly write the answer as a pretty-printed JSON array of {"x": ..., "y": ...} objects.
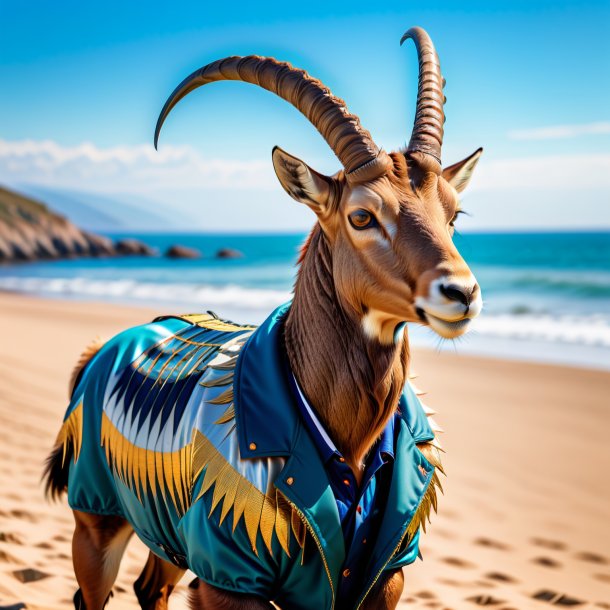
[{"x": 267, "y": 413}]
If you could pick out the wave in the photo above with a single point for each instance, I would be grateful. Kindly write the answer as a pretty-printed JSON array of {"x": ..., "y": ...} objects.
[
  {"x": 251, "y": 304},
  {"x": 202, "y": 297},
  {"x": 584, "y": 284}
]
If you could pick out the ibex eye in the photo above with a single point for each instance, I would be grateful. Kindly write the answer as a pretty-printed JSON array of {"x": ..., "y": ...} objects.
[
  {"x": 361, "y": 219},
  {"x": 455, "y": 217}
]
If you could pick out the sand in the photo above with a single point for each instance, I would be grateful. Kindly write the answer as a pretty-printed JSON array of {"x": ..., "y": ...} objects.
[{"x": 524, "y": 523}]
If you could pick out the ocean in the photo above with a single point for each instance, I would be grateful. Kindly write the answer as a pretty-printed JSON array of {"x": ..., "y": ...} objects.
[{"x": 546, "y": 295}]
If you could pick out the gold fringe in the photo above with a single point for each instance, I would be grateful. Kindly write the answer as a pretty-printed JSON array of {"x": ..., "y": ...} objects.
[
  {"x": 228, "y": 365},
  {"x": 223, "y": 398},
  {"x": 71, "y": 433},
  {"x": 208, "y": 321},
  {"x": 227, "y": 416},
  {"x": 141, "y": 469},
  {"x": 264, "y": 515},
  {"x": 214, "y": 383},
  {"x": 431, "y": 451}
]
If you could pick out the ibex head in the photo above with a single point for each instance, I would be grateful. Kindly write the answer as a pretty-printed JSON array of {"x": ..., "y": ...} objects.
[{"x": 388, "y": 218}]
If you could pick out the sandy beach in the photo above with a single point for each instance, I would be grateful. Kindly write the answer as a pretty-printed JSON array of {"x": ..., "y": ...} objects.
[{"x": 524, "y": 523}]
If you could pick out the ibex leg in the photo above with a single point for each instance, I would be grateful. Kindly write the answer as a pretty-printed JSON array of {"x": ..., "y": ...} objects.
[
  {"x": 387, "y": 592},
  {"x": 156, "y": 582},
  {"x": 97, "y": 548}
]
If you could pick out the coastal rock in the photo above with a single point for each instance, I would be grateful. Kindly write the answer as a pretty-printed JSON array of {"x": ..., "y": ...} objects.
[
  {"x": 229, "y": 253},
  {"x": 178, "y": 251},
  {"x": 30, "y": 231},
  {"x": 133, "y": 247}
]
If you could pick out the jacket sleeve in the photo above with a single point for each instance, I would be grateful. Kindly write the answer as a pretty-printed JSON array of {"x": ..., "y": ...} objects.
[{"x": 405, "y": 555}]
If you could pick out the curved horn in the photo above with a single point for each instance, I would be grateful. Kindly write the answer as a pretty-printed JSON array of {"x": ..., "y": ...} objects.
[
  {"x": 427, "y": 135},
  {"x": 352, "y": 144}
]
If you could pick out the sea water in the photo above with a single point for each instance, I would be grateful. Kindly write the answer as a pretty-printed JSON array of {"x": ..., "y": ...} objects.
[{"x": 546, "y": 295}]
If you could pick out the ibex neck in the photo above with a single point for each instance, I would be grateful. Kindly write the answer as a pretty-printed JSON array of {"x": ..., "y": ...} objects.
[{"x": 352, "y": 381}]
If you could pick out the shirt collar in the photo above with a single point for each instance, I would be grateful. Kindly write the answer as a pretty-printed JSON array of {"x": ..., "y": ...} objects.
[{"x": 323, "y": 442}]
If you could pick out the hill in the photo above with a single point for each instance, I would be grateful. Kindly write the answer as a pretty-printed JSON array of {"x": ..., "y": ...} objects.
[{"x": 29, "y": 230}]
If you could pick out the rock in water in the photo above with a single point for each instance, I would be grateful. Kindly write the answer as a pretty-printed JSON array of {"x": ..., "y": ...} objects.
[
  {"x": 229, "y": 253},
  {"x": 178, "y": 251},
  {"x": 131, "y": 247}
]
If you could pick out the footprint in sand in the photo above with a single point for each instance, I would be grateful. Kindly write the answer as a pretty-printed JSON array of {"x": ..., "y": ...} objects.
[
  {"x": 557, "y": 599},
  {"x": 485, "y": 600},
  {"x": 425, "y": 595},
  {"x": 12, "y": 538},
  {"x": 492, "y": 544},
  {"x": 553, "y": 545},
  {"x": 7, "y": 558},
  {"x": 592, "y": 558},
  {"x": 547, "y": 562},
  {"x": 458, "y": 563},
  {"x": 603, "y": 578},
  {"x": 499, "y": 577},
  {"x": 25, "y": 515},
  {"x": 29, "y": 575}
]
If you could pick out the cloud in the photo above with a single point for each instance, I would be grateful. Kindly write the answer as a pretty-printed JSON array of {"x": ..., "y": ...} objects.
[
  {"x": 591, "y": 171},
  {"x": 543, "y": 191},
  {"x": 560, "y": 132},
  {"x": 126, "y": 168}
]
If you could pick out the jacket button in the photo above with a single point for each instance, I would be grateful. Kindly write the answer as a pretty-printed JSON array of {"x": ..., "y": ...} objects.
[
  {"x": 252, "y": 446},
  {"x": 346, "y": 572},
  {"x": 289, "y": 481}
]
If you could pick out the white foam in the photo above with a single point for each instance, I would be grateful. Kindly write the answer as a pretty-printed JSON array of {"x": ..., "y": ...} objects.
[{"x": 252, "y": 305}]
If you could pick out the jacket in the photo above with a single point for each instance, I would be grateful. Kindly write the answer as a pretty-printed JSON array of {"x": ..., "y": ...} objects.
[{"x": 187, "y": 427}]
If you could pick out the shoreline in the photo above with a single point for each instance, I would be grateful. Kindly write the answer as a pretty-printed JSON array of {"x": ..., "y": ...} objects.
[
  {"x": 499, "y": 346},
  {"x": 527, "y": 457}
]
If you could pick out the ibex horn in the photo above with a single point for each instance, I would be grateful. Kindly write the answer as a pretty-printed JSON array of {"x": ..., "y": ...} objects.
[
  {"x": 352, "y": 144},
  {"x": 427, "y": 135}
]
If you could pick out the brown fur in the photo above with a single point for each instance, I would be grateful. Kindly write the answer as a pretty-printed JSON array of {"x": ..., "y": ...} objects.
[
  {"x": 352, "y": 382},
  {"x": 88, "y": 353}
]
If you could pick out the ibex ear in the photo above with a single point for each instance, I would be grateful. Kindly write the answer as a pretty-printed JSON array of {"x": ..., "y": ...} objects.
[
  {"x": 301, "y": 182},
  {"x": 458, "y": 175}
]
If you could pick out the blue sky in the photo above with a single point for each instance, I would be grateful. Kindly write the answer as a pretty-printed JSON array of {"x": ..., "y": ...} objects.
[{"x": 82, "y": 84}]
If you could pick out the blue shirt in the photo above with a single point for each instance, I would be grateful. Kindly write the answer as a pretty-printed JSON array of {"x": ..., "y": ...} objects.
[{"x": 360, "y": 508}]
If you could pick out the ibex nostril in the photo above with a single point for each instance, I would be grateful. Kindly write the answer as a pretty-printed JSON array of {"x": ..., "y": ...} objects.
[{"x": 455, "y": 294}]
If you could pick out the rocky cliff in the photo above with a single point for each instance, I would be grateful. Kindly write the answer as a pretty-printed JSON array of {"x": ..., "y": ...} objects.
[{"x": 30, "y": 231}]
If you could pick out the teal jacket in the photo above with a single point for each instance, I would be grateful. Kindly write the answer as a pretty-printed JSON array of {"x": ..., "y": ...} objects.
[{"x": 187, "y": 427}]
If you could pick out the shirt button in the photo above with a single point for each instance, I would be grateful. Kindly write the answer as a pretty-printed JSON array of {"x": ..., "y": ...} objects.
[
  {"x": 345, "y": 481},
  {"x": 346, "y": 572},
  {"x": 342, "y": 459},
  {"x": 359, "y": 509},
  {"x": 252, "y": 446},
  {"x": 364, "y": 541},
  {"x": 289, "y": 481}
]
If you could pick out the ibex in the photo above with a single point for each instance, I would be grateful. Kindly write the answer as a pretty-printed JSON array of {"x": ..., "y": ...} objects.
[{"x": 290, "y": 464}]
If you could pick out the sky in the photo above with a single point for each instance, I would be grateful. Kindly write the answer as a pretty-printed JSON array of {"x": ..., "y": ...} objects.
[{"x": 82, "y": 85}]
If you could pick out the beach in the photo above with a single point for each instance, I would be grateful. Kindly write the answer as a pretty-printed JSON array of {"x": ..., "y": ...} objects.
[{"x": 524, "y": 522}]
